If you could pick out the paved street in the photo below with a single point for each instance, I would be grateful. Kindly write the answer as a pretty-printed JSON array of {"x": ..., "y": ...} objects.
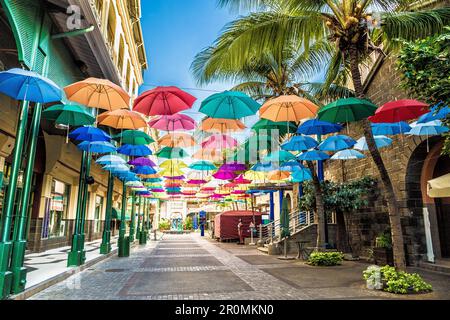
[{"x": 187, "y": 267}]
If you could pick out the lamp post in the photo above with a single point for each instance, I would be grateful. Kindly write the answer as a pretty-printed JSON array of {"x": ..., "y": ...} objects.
[
  {"x": 124, "y": 242},
  {"x": 143, "y": 234},
  {"x": 321, "y": 176},
  {"x": 133, "y": 217},
  {"x": 138, "y": 227},
  {"x": 105, "y": 247}
]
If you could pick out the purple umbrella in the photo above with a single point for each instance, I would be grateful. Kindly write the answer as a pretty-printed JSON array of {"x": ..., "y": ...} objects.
[
  {"x": 175, "y": 178},
  {"x": 225, "y": 175},
  {"x": 233, "y": 166},
  {"x": 142, "y": 162}
]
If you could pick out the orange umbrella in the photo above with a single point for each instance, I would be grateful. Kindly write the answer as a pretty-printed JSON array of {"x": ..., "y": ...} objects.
[
  {"x": 278, "y": 175},
  {"x": 150, "y": 176},
  {"x": 288, "y": 108},
  {"x": 122, "y": 119},
  {"x": 221, "y": 125},
  {"x": 209, "y": 155},
  {"x": 99, "y": 94},
  {"x": 180, "y": 140}
]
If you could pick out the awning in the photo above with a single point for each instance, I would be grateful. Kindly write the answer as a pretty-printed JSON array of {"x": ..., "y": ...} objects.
[
  {"x": 439, "y": 187},
  {"x": 117, "y": 213}
]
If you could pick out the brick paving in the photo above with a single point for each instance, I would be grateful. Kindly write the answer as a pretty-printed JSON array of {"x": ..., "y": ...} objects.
[{"x": 187, "y": 267}]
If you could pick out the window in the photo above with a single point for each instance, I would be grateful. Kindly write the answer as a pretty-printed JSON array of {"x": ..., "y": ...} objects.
[
  {"x": 98, "y": 213},
  {"x": 120, "y": 63},
  {"x": 111, "y": 24},
  {"x": 59, "y": 207}
]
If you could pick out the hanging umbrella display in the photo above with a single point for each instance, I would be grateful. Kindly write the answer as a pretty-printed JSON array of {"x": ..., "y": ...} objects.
[
  {"x": 279, "y": 156},
  {"x": 99, "y": 147},
  {"x": 400, "y": 110},
  {"x": 142, "y": 161},
  {"x": 134, "y": 151},
  {"x": 317, "y": 127},
  {"x": 171, "y": 164},
  {"x": 350, "y": 154},
  {"x": 176, "y": 122},
  {"x": 171, "y": 153},
  {"x": 313, "y": 155},
  {"x": 380, "y": 141},
  {"x": 234, "y": 166},
  {"x": 110, "y": 160},
  {"x": 278, "y": 175},
  {"x": 301, "y": 175},
  {"x": 432, "y": 128},
  {"x": 267, "y": 126},
  {"x": 116, "y": 168},
  {"x": 263, "y": 167},
  {"x": 254, "y": 175},
  {"x": 196, "y": 182},
  {"x": 219, "y": 141},
  {"x": 288, "y": 108},
  {"x": 144, "y": 170},
  {"x": 224, "y": 175},
  {"x": 229, "y": 105},
  {"x": 203, "y": 166},
  {"x": 208, "y": 155},
  {"x": 89, "y": 134},
  {"x": 300, "y": 143},
  {"x": 134, "y": 137},
  {"x": 390, "y": 129},
  {"x": 163, "y": 101},
  {"x": 122, "y": 119},
  {"x": 221, "y": 125},
  {"x": 241, "y": 180},
  {"x": 172, "y": 173},
  {"x": 69, "y": 115},
  {"x": 347, "y": 110},
  {"x": 180, "y": 140},
  {"x": 291, "y": 166},
  {"x": 337, "y": 143},
  {"x": 99, "y": 94},
  {"x": 435, "y": 114}
]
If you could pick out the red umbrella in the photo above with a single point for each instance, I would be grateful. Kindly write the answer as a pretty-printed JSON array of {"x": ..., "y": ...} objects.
[
  {"x": 163, "y": 101},
  {"x": 173, "y": 122},
  {"x": 400, "y": 110},
  {"x": 242, "y": 180}
]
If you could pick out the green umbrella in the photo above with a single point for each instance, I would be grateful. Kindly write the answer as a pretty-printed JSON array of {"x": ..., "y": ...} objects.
[
  {"x": 69, "y": 114},
  {"x": 229, "y": 105},
  {"x": 172, "y": 153},
  {"x": 347, "y": 110},
  {"x": 134, "y": 137},
  {"x": 280, "y": 156},
  {"x": 282, "y": 127}
]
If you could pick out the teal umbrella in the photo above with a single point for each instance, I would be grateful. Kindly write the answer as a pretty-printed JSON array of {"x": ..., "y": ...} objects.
[
  {"x": 280, "y": 156},
  {"x": 347, "y": 110},
  {"x": 172, "y": 153},
  {"x": 203, "y": 166},
  {"x": 229, "y": 105},
  {"x": 134, "y": 137},
  {"x": 266, "y": 124},
  {"x": 69, "y": 114}
]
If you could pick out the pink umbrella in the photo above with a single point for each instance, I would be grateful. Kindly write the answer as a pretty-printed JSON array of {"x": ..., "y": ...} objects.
[
  {"x": 233, "y": 166},
  {"x": 242, "y": 180},
  {"x": 225, "y": 175},
  {"x": 217, "y": 196},
  {"x": 238, "y": 192},
  {"x": 173, "y": 122},
  {"x": 219, "y": 141},
  {"x": 163, "y": 101},
  {"x": 231, "y": 185},
  {"x": 197, "y": 182}
]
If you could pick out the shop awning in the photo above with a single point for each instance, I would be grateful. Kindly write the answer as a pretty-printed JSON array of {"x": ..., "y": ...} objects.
[
  {"x": 117, "y": 213},
  {"x": 439, "y": 187}
]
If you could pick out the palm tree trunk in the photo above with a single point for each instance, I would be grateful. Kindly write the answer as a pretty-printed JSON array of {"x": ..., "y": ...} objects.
[
  {"x": 394, "y": 212},
  {"x": 320, "y": 208}
]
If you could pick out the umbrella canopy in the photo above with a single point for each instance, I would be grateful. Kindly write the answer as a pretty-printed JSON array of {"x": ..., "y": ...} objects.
[
  {"x": 400, "y": 110},
  {"x": 278, "y": 175},
  {"x": 197, "y": 182},
  {"x": 264, "y": 167},
  {"x": 116, "y": 168},
  {"x": 288, "y": 108},
  {"x": 347, "y": 110},
  {"x": 134, "y": 151},
  {"x": 99, "y": 94},
  {"x": 203, "y": 166},
  {"x": 435, "y": 114},
  {"x": 300, "y": 143},
  {"x": 134, "y": 137},
  {"x": 163, "y": 101},
  {"x": 337, "y": 143},
  {"x": 222, "y": 125},
  {"x": 279, "y": 156},
  {"x": 90, "y": 134},
  {"x": 171, "y": 153},
  {"x": 390, "y": 129},
  {"x": 208, "y": 155},
  {"x": 181, "y": 140},
  {"x": 225, "y": 175},
  {"x": 97, "y": 147},
  {"x": 234, "y": 166},
  {"x": 229, "y": 105},
  {"x": 268, "y": 125},
  {"x": 143, "y": 170},
  {"x": 380, "y": 141},
  {"x": 301, "y": 175},
  {"x": 176, "y": 122},
  {"x": 254, "y": 175},
  {"x": 170, "y": 164},
  {"x": 71, "y": 115},
  {"x": 291, "y": 166},
  {"x": 313, "y": 155},
  {"x": 110, "y": 160},
  {"x": 350, "y": 154},
  {"x": 431, "y": 128},
  {"x": 219, "y": 141},
  {"x": 317, "y": 127},
  {"x": 241, "y": 180},
  {"x": 171, "y": 173},
  {"x": 142, "y": 161},
  {"x": 122, "y": 119},
  {"x": 21, "y": 84}
]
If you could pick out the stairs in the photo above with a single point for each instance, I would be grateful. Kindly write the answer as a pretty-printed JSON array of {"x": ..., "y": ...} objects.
[{"x": 441, "y": 265}]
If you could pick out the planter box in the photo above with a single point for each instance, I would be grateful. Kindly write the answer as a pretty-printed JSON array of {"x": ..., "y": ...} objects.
[{"x": 383, "y": 256}]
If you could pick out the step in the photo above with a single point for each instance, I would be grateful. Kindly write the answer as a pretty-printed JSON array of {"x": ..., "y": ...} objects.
[
  {"x": 438, "y": 266},
  {"x": 264, "y": 249}
]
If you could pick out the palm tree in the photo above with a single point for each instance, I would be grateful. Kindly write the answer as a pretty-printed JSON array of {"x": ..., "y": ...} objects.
[{"x": 354, "y": 29}]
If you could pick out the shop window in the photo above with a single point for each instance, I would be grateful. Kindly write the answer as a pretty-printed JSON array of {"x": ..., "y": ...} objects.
[
  {"x": 59, "y": 207},
  {"x": 98, "y": 214}
]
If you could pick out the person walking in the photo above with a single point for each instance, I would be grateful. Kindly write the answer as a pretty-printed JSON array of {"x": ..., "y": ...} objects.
[{"x": 240, "y": 227}]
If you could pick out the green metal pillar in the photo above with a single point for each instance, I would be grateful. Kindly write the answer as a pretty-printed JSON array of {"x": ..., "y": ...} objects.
[
  {"x": 84, "y": 209},
  {"x": 133, "y": 217},
  {"x": 74, "y": 258},
  {"x": 20, "y": 223},
  {"x": 105, "y": 247},
  {"x": 138, "y": 227},
  {"x": 124, "y": 242},
  {"x": 7, "y": 215},
  {"x": 143, "y": 235}
]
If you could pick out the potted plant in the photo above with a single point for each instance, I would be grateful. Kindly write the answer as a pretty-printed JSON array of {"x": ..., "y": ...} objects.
[{"x": 382, "y": 252}]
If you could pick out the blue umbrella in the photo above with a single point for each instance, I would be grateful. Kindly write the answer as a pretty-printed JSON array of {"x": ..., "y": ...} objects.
[
  {"x": 26, "y": 85},
  {"x": 434, "y": 114},
  {"x": 432, "y": 128},
  {"x": 337, "y": 143},
  {"x": 110, "y": 160},
  {"x": 291, "y": 166},
  {"x": 350, "y": 154},
  {"x": 263, "y": 167},
  {"x": 134, "y": 151},
  {"x": 127, "y": 176},
  {"x": 380, "y": 141},
  {"x": 313, "y": 155},
  {"x": 390, "y": 129},
  {"x": 300, "y": 143},
  {"x": 318, "y": 127},
  {"x": 301, "y": 175},
  {"x": 153, "y": 180},
  {"x": 90, "y": 134},
  {"x": 97, "y": 147},
  {"x": 144, "y": 170},
  {"x": 116, "y": 168}
]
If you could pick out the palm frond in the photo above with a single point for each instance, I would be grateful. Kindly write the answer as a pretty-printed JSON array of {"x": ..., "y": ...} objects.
[
  {"x": 309, "y": 63},
  {"x": 330, "y": 93},
  {"x": 257, "y": 90}
]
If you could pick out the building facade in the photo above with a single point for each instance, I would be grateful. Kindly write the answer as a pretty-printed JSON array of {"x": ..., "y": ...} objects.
[{"x": 66, "y": 42}]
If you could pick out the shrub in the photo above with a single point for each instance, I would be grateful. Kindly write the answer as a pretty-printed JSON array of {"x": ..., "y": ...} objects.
[
  {"x": 325, "y": 258},
  {"x": 164, "y": 225}
]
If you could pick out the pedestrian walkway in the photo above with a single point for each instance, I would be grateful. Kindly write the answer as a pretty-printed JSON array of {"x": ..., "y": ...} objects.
[{"x": 187, "y": 267}]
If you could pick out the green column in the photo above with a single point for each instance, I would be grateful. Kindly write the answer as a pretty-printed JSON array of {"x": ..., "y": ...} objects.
[
  {"x": 133, "y": 217},
  {"x": 143, "y": 235},
  {"x": 7, "y": 215},
  {"x": 20, "y": 223},
  {"x": 84, "y": 210},
  {"x": 138, "y": 227},
  {"x": 124, "y": 242},
  {"x": 105, "y": 247}
]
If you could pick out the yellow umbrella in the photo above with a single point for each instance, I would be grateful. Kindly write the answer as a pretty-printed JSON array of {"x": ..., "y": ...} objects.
[
  {"x": 278, "y": 175},
  {"x": 255, "y": 175},
  {"x": 171, "y": 173},
  {"x": 122, "y": 119},
  {"x": 221, "y": 125},
  {"x": 212, "y": 155},
  {"x": 288, "y": 108},
  {"x": 173, "y": 164},
  {"x": 99, "y": 94},
  {"x": 180, "y": 140}
]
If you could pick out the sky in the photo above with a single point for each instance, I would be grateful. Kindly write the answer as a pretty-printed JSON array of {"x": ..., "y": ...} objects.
[{"x": 174, "y": 32}]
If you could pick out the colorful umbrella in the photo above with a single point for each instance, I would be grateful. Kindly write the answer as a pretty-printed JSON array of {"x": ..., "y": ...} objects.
[
  {"x": 225, "y": 175},
  {"x": 221, "y": 125},
  {"x": 134, "y": 137},
  {"x": 134, "y": 151},
  {"x": 317, "y": 127},
  {"x": 171, "y": 173},
  {"x": 241, "y": 180},
  {"x": 70, "y": 115},
  {"x": 254, "y": 175},
  {"x": 176, "y": 122},
  {"x": 116, "y": 168},
  {"x": 208, "y": 155},
  {"x": 142, "y": 161},
  {"x": 219, "y": 141},
  {"x": 288, "y": 108},
  {"x": 390, "y": 129},
  {"x": 380, "y": 141},
  {"x": 90, "y": 134},
  {"x": 264, "y": 167},
  {"x": 350, "y": 154},
  {"x": 337, "y": 143},
  {"x": 97, "y": 147},
  {"x": 163, "y": 101},
  {"x": 143, "y": 170},
  {"x": 197, "y": 182},
  {"x": 347, "y": 110},
  {"x": 400, "y": 110},
  {"x": 269, "y": 126},
  {"x": 278, "y": 175},
  {"x": 122, "y": 119},
  {"x": 313, "y": 155},
  {"x": 181, "y": 140},
  {"x": 110, "y": 160},
  {"x": 99, "y": 94},
  {"x": 301, "y": 175},
  {"x": 435, "y": 114},
  {"x": 300, "y": 143},
  {"x": 171, "y": 153},
  {"x": 229, "y": 105},
  {"x": 171, "y": 164},
  {"x": 234, "y": 166},
  {"x": 26, "y": 85},
  {"x": 431, "y": 128},
  {"x": 279, "y": 156},
  {"x": 203, "y": 166},
  {"x": 291, "y": 166}
]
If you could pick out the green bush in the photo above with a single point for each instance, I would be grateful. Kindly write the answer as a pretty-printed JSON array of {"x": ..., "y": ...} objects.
[
  {"x": 325, "y": 258},
  {"x": 164, "y": 225},
  {"x": 399, "y": 282},
  {"x": 188, "y": 224}
]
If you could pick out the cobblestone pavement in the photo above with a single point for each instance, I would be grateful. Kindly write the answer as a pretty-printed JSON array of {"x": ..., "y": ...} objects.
[{"x": 187, "y": 267}]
